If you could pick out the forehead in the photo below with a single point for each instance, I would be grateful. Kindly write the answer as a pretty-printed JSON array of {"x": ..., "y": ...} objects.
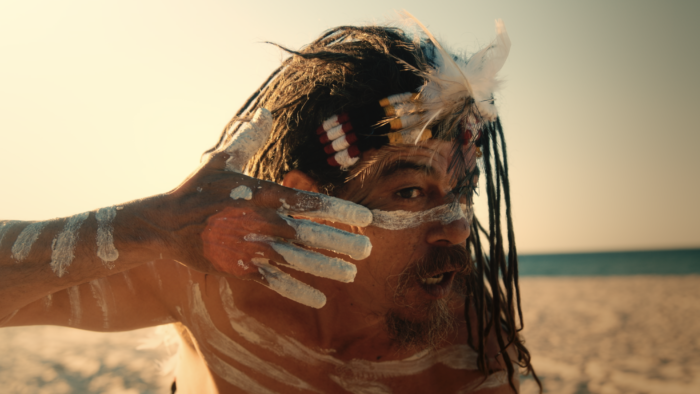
[{"x": 434, "y": 157}]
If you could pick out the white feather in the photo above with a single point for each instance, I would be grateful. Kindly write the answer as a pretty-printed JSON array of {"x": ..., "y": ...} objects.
[{"x": 450, "y": 86}]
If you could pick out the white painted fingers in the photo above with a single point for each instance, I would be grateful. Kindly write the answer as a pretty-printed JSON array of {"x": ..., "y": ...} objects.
[
  {"x": 289, "y": 287},
  {"x": 315, "y": 263},
  {"x": 248, "y": 140},
  {"x": 317, "y": 235},
  {"x": 321, "y": 206}
]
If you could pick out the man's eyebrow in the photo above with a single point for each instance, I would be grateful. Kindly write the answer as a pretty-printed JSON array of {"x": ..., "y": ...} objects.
[{"x": 402, "y": 165}]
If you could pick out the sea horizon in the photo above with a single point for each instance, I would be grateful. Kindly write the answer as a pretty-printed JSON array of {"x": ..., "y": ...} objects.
[{"x": 635, "y": 262}]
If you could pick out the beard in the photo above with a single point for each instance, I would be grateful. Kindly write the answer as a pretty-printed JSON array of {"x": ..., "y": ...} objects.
[{"x": 419, "y": 323}]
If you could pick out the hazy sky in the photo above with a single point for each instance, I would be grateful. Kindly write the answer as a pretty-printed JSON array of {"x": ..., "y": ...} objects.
[{"x": 106, "y": 102}]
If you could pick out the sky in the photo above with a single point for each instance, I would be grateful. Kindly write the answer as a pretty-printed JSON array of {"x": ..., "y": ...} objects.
[{"x": 107, "y": 102}]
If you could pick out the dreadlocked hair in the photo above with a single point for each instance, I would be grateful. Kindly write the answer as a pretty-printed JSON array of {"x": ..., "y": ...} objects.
[{"x": 347, "y": 68}]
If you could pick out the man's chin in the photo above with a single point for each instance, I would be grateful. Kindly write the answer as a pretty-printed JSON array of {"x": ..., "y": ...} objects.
[{"x": 418, "y": 328}]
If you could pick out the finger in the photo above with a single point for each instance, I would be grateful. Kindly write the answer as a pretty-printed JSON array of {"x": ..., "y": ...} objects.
[
  {"x": 289, "y": 287},
  {"x": 317, "y": 235},
  {"x": 315, "y": 263},
  {"x": 321, "y": 206},
  {"x": 248, "y": 140}
]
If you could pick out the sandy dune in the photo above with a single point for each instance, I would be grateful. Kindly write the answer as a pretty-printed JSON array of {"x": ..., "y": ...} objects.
[{"x": 587, "y": 335}]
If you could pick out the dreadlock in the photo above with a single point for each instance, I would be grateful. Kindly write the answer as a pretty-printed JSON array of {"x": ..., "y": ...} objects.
[{"x": 348, "y": 68}]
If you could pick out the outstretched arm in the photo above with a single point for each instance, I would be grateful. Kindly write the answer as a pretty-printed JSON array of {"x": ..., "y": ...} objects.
[{"x": 218, "y": 221}]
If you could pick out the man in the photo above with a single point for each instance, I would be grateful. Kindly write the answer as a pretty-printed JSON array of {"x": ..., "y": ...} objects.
[{"x": 274, "y": 285}]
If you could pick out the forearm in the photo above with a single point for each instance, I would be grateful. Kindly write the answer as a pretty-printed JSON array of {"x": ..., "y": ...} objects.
[{"x": 40, "y": 258}]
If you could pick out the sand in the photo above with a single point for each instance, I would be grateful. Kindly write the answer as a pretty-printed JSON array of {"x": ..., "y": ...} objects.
[{"x": 636, "y": 334}]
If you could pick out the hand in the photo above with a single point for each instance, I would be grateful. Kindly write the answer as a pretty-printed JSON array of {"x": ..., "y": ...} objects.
[{"x": 221, "y": 221}]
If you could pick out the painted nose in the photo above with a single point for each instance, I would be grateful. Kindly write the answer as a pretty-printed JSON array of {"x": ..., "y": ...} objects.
[{"x": 447, "y": 234}]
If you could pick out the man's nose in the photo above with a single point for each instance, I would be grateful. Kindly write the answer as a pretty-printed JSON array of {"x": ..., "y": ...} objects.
[{"x": 448, "y": 234}]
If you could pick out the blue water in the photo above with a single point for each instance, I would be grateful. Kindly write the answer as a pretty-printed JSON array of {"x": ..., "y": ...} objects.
[{"x": 660, "y": 262}]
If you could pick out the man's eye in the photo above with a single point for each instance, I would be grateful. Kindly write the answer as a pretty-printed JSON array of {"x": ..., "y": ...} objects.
[{"x": 409, "y": 192}]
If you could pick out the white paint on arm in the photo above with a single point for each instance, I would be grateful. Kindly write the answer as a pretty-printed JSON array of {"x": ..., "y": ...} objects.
[
  {"x": 154, "y": 271},
  {"x": 5, "y": 227},
  {"x": 48, "y": 301},
  {"x": 98, "y": 291},
  {"x": 9, "y": 317},
  {"x": 105, "y": 236},
  {"x": 129, "y": 283},
  {"x": 25, "y": 240},
  {"x": 241, "y": 192},
  {"x": 75, "y": 311},
  {"x": 248, "y": 140},
  {"x": 63, "y": 246}
]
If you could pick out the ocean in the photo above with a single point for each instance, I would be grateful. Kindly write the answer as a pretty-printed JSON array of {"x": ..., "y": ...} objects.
[{"x": 657, "y": 262}]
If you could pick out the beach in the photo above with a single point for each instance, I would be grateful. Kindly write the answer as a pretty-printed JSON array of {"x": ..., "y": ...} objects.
[{"x": 617, "y": 334}]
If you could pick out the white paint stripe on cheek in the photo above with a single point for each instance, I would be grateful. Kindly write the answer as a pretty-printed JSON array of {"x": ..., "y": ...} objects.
[
  {"x": 241, "y": 192},
  {"x": 105, "y": 236},
  {"x": 289, "y": 287},
  {"x": 399, "y": 220},
  {"x": 63, "y": 246},
  {"x": 235, "y": 351},
  {"x": 75, "y": 312},
  {"x": 25, "y": 240},
  {"x": 98, "y": 291}
]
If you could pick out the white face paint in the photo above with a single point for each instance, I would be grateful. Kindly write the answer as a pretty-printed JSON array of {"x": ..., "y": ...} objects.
[
  {"x": 75, "y": 312},
  {"x": 243, "y": 192},
  {"x": 99, "y": 292},
  {"x": 63, "y": 245},
  {"x": 25, "y": 240},
  {"x": 105, "y": 237},
  {"x": 399, "y": 220}
]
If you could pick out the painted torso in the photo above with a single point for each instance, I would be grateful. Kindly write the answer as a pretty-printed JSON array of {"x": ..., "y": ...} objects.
[{"x": 228, "y": 350}]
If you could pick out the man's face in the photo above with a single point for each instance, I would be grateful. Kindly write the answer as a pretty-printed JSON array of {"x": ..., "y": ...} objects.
[{"x": 415, "y": 274}]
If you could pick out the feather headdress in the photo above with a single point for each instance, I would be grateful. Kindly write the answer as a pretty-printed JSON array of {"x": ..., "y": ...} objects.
[{"x": 458, "y": 91}]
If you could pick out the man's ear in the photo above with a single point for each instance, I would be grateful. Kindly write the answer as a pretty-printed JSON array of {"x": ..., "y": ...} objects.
[{"x": 300, "y": 181}]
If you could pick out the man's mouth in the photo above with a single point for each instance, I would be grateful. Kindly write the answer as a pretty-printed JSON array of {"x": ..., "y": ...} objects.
[{"x": 438, "y": 285}]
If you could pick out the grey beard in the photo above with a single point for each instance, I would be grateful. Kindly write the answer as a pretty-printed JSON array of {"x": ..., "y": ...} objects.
[{"x": 427, "y": 332}]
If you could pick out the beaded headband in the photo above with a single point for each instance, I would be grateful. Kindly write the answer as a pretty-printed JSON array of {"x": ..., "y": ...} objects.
[{"x": 457, "y": 94}]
